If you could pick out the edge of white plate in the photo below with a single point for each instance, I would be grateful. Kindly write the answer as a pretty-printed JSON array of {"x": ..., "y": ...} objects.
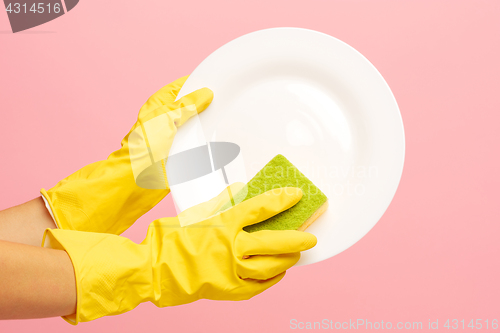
[{"x": 400, "y": 167}]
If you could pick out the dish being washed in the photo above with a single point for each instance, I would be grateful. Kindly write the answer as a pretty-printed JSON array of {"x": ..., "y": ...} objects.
[{"x": 320, "y": 103}]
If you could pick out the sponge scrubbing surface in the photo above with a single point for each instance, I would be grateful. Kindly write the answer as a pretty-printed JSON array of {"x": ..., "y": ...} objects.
[{"x": 279, "y": 173}]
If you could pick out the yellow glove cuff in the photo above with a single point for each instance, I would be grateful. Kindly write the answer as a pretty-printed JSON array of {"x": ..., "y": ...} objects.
[{"x": 113, "y": 274}]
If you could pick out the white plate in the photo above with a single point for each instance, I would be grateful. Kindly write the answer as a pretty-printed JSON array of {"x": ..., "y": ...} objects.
[{"x": 324, "y": 106}]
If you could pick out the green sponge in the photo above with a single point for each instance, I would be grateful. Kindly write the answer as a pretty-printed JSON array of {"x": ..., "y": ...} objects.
[{"x": 278, "y": 173}]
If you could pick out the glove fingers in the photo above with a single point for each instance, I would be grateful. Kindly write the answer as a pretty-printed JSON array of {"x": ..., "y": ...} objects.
[
  {"x": 176, "y": 86},
  {"x": 265, "y": 267},
  {"x": 183, "y": 109},
  {"x": 255, "y": 287},
  {"x": 200, "y": 98},
  {"x": 206, "y": 209},
  {"x": 263, "y": 206},
  {"x": 165, "y": 95},
  {"x": 274, "y": 242}
]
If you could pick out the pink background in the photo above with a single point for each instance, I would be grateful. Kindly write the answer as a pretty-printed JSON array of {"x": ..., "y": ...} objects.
[{"x": 70, "y": 90}]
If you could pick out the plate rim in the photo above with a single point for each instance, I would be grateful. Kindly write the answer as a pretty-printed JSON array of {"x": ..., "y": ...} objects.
[{"x": 400, "y": 161}]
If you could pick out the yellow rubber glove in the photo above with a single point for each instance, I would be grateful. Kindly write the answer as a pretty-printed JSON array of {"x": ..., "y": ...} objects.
[
  {"x": 212, "y": 259},
  {"x": 110, "y": 195}
]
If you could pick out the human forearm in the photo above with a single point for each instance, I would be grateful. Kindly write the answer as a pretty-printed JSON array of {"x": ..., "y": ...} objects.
[
  {"x": 25, "y": 223},
  {"x": 35, "y": 282}
]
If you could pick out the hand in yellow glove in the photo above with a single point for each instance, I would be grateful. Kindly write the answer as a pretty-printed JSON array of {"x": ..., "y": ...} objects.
[
  {"x": 110, "y": 195},
  {"x": 212, "y": 259}
]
